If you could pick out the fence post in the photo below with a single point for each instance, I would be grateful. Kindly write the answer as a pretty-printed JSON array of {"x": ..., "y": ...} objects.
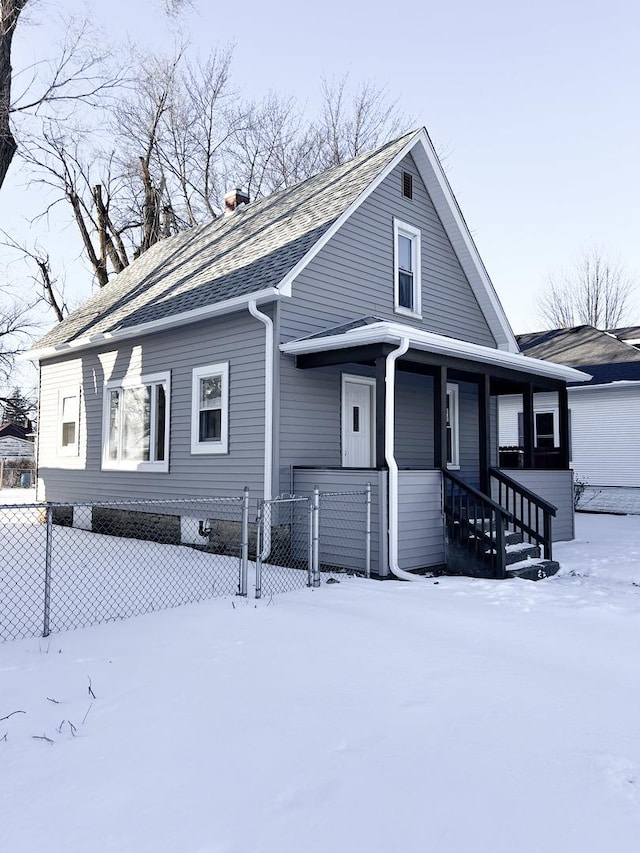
[
  {"x": 315, "y": 536},
  {"x": 367, "y": 556},
  {"x": 259, "y": 523},
  {"x": 47, "y": 572},
  {"x": 244, "y": 556}
]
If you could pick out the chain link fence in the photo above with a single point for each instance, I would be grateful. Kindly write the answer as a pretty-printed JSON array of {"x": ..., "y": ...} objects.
[
  {"x": 66, "y": 566},
  {"x": 305, "y": 541},
  {"x": 71, "y": 565}
]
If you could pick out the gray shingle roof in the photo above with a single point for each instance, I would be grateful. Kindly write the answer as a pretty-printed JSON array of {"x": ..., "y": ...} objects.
[
  {"x": 599, "y": 353},
  {"x": 232, "y": 256}
]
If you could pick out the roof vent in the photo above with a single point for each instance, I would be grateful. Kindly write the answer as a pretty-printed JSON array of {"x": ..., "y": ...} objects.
[{"x": 233, "y": 199}]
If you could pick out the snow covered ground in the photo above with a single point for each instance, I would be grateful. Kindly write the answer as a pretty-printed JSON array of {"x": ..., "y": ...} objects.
[{"x": 444, "y": 715}]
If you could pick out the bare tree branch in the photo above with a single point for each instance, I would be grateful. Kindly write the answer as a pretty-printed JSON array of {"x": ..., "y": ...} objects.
[{"x": 597, "y": 291}]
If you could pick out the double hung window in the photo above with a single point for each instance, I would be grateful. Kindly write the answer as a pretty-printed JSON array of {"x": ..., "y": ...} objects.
[
  {"x": 136, "y": 424},
  {"x": 210, "y": 409},
  {"x": 407, "y": 269}
]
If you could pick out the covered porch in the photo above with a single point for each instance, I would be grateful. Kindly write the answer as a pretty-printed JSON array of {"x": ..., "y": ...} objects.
[{"x": 419, "y": 412}]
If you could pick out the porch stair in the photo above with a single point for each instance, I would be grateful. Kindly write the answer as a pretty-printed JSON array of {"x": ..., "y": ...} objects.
[
  {"x": 487, "y": 539},
  {"x": 524, "y": 559}
]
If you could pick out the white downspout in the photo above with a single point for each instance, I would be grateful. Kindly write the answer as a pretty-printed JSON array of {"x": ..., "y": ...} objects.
[
  {"x": 389, "y": 455},
  {"x": 268, "y": 414}
]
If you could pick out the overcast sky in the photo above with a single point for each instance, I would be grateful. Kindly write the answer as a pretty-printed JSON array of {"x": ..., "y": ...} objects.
[{"x": 536, "y": 104}]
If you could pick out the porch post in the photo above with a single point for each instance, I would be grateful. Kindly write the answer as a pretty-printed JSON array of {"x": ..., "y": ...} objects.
[
  {"x": 563, "y": 427},
  {"x": 484, "y": 430},
  {"x": 527, "y": 425},
  {"x": 380, "y": 404},
  {"x": 440, "y": 418}
]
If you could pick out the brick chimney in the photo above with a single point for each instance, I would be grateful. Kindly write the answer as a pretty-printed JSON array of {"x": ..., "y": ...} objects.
[{"x": 233, "y": 199}]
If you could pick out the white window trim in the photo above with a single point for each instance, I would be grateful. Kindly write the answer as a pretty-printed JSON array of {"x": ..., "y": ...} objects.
[
  {"x": 208, "y": 447},
  {"x": 70, "y": 449},
  {"x": 132, "y": 381},
  {"x": 454, "y": 390},
  {"x": 362, "y": 380},
  {"x": 556, "y": 425},
  {"x": 402, "y": 228}
]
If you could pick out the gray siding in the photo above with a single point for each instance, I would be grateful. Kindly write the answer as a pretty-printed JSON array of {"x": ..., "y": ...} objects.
[
  {"x": 420, "y": 523},
  {"x": 352, "y": 276},
  {"x": 310, "y": 420},
  {"x": 557, "y": 488},
  {"x": 342, "y": 520},
  {"x": 239, "y": 339}
]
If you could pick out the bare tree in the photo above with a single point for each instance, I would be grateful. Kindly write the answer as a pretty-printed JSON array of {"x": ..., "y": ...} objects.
[
  {"x": 597, "y": 291},
  {"x": 46, "y": 284},
  {"x": 9, "y": 14},
  {"x": 15, "y": 328}
]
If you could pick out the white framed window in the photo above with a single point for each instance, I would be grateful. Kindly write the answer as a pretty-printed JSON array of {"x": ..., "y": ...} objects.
[
  {"x": 407, "y": 269},
  {"x": 210, "y": 409},
  {"x": 69, "y": 421},
  {"x": 453, "y": 426},
  {"x": 135, "y": 426}
]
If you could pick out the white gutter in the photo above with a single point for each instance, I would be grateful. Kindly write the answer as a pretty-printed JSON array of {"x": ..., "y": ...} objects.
[
  {"x": 389, "y": 455},
  {"x": 148, "y": 328},
  {"x": 268, "y": 415}
]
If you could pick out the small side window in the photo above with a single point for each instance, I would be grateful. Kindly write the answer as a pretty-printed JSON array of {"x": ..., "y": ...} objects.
[
  {"x": 68, "y": 422},
  {"x": 453, "y": 427},
  {"x": 210, "y": 409}
]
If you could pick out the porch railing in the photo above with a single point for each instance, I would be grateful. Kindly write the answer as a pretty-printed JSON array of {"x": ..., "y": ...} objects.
[
  {"x": 531, "y": 514},
  {"x": 475, "y": 529}
]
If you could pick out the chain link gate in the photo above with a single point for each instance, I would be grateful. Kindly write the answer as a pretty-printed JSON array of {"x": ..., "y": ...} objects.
[
  {"x": 301, "y": 539},
  {"x": 283, "y": 545}
]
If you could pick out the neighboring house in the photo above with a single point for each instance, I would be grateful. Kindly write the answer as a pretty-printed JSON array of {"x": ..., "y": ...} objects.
[
  {"x": 339, "y": 332},
  {"x": 16, "y": 442},
  {"x": 604, "y": 413}
]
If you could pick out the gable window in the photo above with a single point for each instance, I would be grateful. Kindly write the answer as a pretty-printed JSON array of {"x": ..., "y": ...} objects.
[
  {"x": 407, "y": 257},
  {"x": 407, "y": 184},
  {"x": 68, "y": 422},
  {"x": 210, "y": 409},
  {"x": 135, "y": 434},
  {"x": 453, "y": 426}
]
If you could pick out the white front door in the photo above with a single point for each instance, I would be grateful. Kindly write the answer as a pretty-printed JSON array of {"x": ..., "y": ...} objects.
[{"x": 358, "y": 434}]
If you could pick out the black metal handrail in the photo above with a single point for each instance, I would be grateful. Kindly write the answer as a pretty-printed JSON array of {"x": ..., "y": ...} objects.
[
  {"x": 531, "y": 514},
  {"x": 475, "y": 529}
]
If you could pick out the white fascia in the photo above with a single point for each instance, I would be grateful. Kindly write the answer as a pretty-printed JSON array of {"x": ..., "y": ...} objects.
[
  {"x": 385, "y": 332},
  {"x": 621, "y": 383},
  {"x": 152, "y": 326}
]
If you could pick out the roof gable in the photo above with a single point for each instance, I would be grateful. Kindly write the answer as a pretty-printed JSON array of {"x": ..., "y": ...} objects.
[{"x": 260, "y": 249}]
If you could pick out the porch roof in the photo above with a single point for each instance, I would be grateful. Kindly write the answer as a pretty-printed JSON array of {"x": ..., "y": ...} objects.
[{"x": 386, "y": 332}]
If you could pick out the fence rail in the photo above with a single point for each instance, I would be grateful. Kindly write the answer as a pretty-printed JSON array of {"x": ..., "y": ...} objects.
[{"x": 70, "y": 565}]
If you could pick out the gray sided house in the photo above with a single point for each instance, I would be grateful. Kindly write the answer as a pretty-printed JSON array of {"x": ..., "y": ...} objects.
[
  {"x": 604, "y": 414},
  {"x": 340, "y": 332}
]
